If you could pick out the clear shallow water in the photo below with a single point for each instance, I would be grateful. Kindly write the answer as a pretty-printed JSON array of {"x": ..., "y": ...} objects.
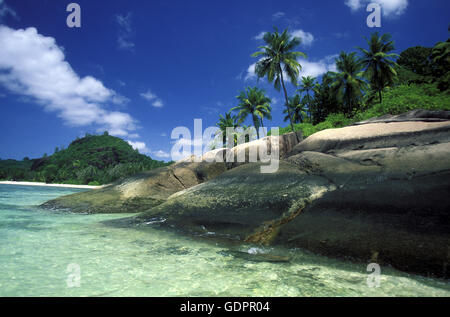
[{"x": 36, "y": 247}]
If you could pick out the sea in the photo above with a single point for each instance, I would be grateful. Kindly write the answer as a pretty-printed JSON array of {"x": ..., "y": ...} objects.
[{"x": 56, "y": 253}]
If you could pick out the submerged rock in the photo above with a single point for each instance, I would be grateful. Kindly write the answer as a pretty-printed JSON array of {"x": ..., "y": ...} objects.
[{"x": 259, "y": 257}]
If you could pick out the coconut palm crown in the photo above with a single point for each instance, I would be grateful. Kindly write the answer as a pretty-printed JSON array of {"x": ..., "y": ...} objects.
[
  {"x": 227, "y": 121},
  {"x": 378, "y": 63},
  {"x": 253, "y": 102},
  {"x": 277, "y": 60},
  {"x": 306, "y": 86},
  {"x": 349, "y": 82}
]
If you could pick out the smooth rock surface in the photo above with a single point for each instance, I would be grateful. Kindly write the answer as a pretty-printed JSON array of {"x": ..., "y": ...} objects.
[
  {"x": 237, "y": 203},
  {"x": 378, "y": 192},
  {"x": 140, "y": 192},
  {"x": 391, "y": 206},
  {"x": 146, "y": 190},
  {"x": 414, "y": 115},
  {"x": 375, "y": 135}
]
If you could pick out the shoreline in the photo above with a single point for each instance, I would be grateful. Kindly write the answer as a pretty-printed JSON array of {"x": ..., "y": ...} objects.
[{"x": 48, "y": 185}]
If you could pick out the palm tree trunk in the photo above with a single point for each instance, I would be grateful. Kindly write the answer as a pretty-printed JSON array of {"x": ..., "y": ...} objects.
[
  {"x": 309, "y": 105},
  {"x": 377, "y": 78},
  {"x": 256, "y": 124},
  {"x": 262, "y": 125},
  {"x": 350, "y": 108},
  {"x": 287, "y": 105}
]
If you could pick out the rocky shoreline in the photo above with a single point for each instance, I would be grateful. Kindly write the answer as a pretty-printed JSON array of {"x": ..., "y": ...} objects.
[{"x": 377, "y": 191}]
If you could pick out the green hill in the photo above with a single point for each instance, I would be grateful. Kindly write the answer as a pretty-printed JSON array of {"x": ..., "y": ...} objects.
[{"x": 94, "y": 159}]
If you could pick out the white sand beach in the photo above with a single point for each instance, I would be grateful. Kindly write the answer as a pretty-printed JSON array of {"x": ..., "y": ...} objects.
[{"x": 48, "y": 185}]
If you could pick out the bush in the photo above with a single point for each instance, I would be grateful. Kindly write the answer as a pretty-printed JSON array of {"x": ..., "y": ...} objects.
[
  {"x": 405, "y": 98},
  {"x": 398, "y": 100}
]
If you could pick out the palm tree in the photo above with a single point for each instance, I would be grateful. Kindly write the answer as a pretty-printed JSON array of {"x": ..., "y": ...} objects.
[
  {"x": 440, "y": 56},
  {"x": 254, "y": 102},
  {"x": 297, "y": 106},
  {"x": 245, "y": 130},
  {"x": 229, "y": 121},
  {"x": 325, "y": 100},
  {"x": 307, "y": 85},
  {"x": 379, "y": 68},
  {"x": 349, "y": 82},
  {"x": 278, "y": 58}
]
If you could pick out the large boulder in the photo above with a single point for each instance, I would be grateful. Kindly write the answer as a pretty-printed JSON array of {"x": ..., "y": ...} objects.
[
  {"x": 238, "y": 202},
  {"x": 378, "y": 192},
  {"x": 139, "y": 192},
  {"x": 411, "y": 116},
  {"x": 149, "y": 189},
  {"x": 375, "y": 135},
  {"x": 391, "y": 206},
  {"x": 270, "y": 147}
]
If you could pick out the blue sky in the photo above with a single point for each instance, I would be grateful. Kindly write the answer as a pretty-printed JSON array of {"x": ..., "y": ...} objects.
[{"x": 141, "y": 68}]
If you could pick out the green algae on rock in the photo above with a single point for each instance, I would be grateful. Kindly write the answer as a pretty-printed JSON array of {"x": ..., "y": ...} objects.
[
  {"x": 238, "y": 202},
  {"x": 140, "y": 192}
]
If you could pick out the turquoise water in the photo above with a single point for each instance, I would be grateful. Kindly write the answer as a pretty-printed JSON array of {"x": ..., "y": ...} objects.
[{"x": 38, "y": 246}]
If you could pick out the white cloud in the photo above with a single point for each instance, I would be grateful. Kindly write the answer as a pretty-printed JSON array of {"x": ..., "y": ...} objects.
[
  {"x": 155, "y": 101},
  {"x": 278, "y": 15},
  {"x": 125, "y": 44},
  {"x": 341, "y": 35},
  {"x": 192, "y": 142},
  {"x": 353, "y": 4},
  {"x": 316, "y": 69},
  {"x": 309, "y": 68},
  {"x": 120, "y": 100},
  {"x": 389, "y": 7},
  {"x": 161, "y": 154},
  {"x": 148, "y": 95},
  {"x": 158, "y": 103},
  {"x": 140, "y": 146},
  {"x": 260, "y": 36},
  {"x": 124, "y": 39},
  {"x": 34, "y": 66},
  {"x": 7, "y": 10},
  {"x": 251, "y": 72},
  {"x": 212, "y": 110},
  {"x": 143, "y": 149},
  {"x": 185, "y": 142},
  {"x": 307, "y": 38}
]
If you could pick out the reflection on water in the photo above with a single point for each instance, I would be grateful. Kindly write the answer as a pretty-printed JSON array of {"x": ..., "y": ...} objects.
[{"x": 37, "y": 246}]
